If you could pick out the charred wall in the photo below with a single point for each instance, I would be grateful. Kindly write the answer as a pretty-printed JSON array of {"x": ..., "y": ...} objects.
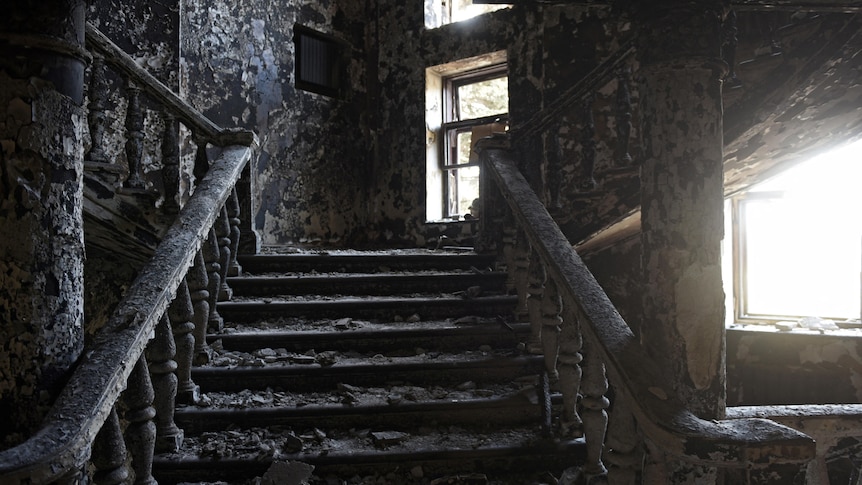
[
  {"x": 769, "y": 367},
  {"x": 238, "y": 68},
  {"x": 406, "y": 49}
]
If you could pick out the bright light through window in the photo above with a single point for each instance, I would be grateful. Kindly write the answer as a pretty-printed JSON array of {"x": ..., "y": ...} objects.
[
  {"x": 442, "y": 12},
  {"x": 801, "y": 239}
]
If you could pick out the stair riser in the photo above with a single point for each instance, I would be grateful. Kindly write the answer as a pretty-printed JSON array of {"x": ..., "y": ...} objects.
[
  {"x": 365, "y": 285},
  {"x": 316, "y": 378},
  {"x": 406, "y": 417},
  {"x": 260, "y": 264},
  {"x": 381, "y": 310},
  {"x": 388, "y": 343}
]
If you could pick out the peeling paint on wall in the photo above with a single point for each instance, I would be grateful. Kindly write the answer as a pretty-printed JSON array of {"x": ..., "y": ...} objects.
[
  {"x": 41, "y": 269},
  {"x": 238, "y": 68}
]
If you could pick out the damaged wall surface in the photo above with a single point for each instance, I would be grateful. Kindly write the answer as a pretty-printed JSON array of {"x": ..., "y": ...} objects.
[
  {"x": 42, "y": 248},
  {"x": 238, "y": 68}
]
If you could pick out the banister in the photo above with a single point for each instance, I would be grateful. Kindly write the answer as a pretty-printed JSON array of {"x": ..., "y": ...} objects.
[
  {"x": 191, "y": 117},
  {"x": 101, "y": 375},
  {"x": 661, "y": 416}
]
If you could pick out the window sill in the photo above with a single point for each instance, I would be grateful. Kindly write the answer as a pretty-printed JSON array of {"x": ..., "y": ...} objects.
[
  {"x": 452, "y": 221},
  {"x": 845, "y": 329}
]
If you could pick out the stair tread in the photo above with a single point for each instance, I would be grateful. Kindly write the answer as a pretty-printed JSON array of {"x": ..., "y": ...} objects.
[
  {"x": 358, "y": 445},
  {"x": 345, "y": 361},
  {"x": 361, "y": 275},
  {"x": 348, "y": 327},
  {"x": 346, "y": 260},
  {"x": 348, "y": 298},
  {"x": 347, "y": 399},
  {"x": 353, "y": 343}
]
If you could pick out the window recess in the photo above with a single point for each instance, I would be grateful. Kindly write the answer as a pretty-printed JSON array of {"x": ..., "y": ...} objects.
[
  {"x": 797, "y": 244},
  {"x": 477, "y": 105}
]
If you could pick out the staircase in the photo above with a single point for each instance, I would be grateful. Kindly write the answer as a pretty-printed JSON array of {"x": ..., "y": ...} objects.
[{"x": 393, "y": 367}]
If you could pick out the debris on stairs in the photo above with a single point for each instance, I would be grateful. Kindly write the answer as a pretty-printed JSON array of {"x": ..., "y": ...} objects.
[{"x": 394, "y": 367}]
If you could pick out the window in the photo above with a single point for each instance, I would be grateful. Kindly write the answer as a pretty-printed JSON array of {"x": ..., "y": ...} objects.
[
  {"x": 318, "y": 61},
  {"x": 442, "y": 12},
  {"x": 465, "y": 100},
  {"x": 797, "y": 242},
  {"x": 477, "y": 105}
]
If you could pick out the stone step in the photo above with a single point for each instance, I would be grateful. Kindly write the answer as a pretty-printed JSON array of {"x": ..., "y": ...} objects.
[
  {"x": 379, "y": 308},
  {"x": 364, "y": 262},
  {"x": 494, "y": 456},
  {"x": 362, "y": 408},
  {"x": 366, "y": 284},
  {"x": 358, "y": 363},
  {"x": 426, "y": 369},
  {"x": 349, "y": 335}
]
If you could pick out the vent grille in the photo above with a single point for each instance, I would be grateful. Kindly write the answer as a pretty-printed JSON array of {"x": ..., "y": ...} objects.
[{"x": 318, "y": 61}]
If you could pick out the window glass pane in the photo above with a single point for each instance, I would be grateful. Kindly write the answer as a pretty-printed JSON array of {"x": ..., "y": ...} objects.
[
  {"x": 484, "y": 98},
  {"x": 465, "y": 9},
  {"x": 463, "y": 151},
  {"x": 799, "y": 261},
  {"x": 803, "y": 245},
  {"x": 463, "y": 189}
]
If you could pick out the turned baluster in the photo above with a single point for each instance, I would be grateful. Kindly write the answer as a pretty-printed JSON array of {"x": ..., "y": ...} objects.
[
  {"x": 535, "y": 289},
  {"x": 594, "y": 385},
  {"x": 222, "y": 226},
  {"x": 202, "y": 161},
  {"x": 181, "y": 314},
  {"x": 623, "y": 452},
  {"x": 198, "y": 282},
  {"x": 215, "y": 323},
  {"x": 588, "y": 148},
  {"x": 552, "y": 306},
  {"x": 97, "y": 91},
  {"x": 141, "y": 430},
  {"x": 549, "y": 316},
  {"x": 161, "y": 354},
  {"x": 134, "y": 137},
  {"x": 171, "y": 164},
  {"x": 233, "y": 212},
  {"x": 109, "y": 453},
  {"x": 521, "y": 257},
  {"x": 624, "y": 118},
  {"x": 569, "y": 367}
]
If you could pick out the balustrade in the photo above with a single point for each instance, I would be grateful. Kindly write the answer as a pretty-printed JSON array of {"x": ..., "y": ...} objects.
[
  {"x": 173, "y": 298},
  {"x": 585, "y": 345}
]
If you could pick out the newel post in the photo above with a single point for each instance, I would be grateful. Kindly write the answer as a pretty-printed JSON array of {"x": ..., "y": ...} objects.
[{"x": 682, "y": 203}]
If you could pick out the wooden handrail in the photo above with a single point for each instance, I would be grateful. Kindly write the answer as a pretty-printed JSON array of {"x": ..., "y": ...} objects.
[
  {"x": 203, "y": 127},
  {"x": 661, "y": 416},
  {"x": 101, "y": 375}
]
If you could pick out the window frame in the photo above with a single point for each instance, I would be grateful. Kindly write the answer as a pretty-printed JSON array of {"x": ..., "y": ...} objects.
[
  {"x": 739, "y": 261},
  {"x": 453, "y": 125}
]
